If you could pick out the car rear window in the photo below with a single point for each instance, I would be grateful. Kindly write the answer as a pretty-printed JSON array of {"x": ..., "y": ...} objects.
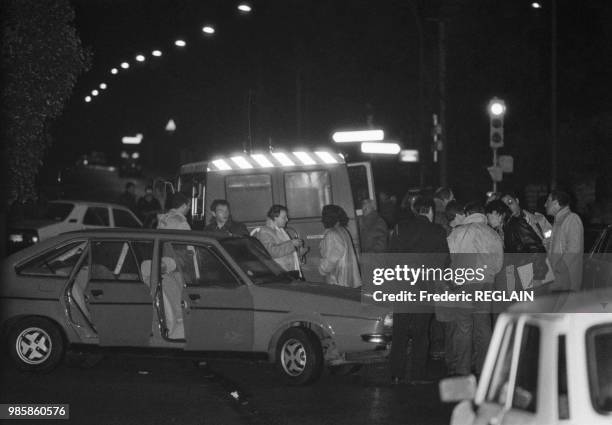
[
  {"x": 58, "y": 262},
  {"x": 599, "y": 349},
  {"x": 58, "y": 211}
]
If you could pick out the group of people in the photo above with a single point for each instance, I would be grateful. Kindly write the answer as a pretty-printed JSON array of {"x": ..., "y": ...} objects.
[
  {"x": 518, "y": 250},
  {"x": 146, "y": 207}
]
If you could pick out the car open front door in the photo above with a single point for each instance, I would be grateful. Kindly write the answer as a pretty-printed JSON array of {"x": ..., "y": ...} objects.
[
  {"x": 217, "y": 308},
  {"x": 118, "y": 299}
]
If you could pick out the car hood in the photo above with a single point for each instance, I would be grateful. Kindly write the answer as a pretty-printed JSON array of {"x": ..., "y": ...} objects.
[{"x": 321, "y": 289}]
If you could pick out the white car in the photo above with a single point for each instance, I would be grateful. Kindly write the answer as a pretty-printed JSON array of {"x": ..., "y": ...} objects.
[
  {"x": 66, "y": 216},
  {"x": 543, "y": 368}
]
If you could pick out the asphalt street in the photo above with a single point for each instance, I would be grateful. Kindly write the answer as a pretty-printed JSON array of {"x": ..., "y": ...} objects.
[{"x": 136, "y": 390}]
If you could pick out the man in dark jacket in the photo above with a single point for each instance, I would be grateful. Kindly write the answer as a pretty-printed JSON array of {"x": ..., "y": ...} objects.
[
  {"x": 222, "y": 220},
  {"x": 373, "y": 231},
  {"x": 418, "y": 235}
]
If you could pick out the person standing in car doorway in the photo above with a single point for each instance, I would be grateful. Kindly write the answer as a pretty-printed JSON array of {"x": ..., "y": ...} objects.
[
  {"x": 222, "y": 220},
  {"x": 338, "y": 258}
]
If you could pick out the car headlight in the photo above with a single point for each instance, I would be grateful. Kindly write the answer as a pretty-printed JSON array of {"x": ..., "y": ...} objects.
[{"x": 388, "y": 321}]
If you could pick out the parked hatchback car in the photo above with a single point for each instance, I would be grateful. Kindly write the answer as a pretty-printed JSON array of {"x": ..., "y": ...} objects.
[
  {"x": 543, "y": 368},
  {"x": 184, "y": 292},
  {"x": 65, "y": 216}
]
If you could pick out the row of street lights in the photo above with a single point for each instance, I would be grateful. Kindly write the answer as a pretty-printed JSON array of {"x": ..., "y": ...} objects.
[{"x": 208, "y": 30}]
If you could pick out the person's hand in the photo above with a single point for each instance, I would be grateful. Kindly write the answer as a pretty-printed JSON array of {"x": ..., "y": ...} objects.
[{"x": 297, "y": 243}]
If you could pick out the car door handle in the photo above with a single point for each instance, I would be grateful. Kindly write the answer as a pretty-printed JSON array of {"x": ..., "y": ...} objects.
[
  {"x": 97, "y": 292},
  {"x": 72, "y": 220},
  {"x": 194, "y": 297}
]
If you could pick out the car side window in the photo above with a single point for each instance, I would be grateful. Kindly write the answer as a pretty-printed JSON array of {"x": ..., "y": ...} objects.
[
  {"x": 58, "y": 262},
  {"x": 96, "y": 216},
  {"x": 113, "y": 260},
  {"x": 500, "y": 379},
  {"x": 124, "y": 219},
  {"x": 200, "y": 266},
  {"x": 526, "y": 387}
]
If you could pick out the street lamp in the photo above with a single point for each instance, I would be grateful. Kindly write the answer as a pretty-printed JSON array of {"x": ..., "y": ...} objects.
[
  {"x": 103, "y": 86},
  {"x": 140, "y": 58},
  {"x": 114, "y": 71},
  {"x": 380, "y": 148},
  {"x": 156, "y": 53},
  {"x": 94, "y": 92},
  {"x": 245, "y": 7},
  {"x": 536, "y": 5},
  {"x": 180, "y": 43},
  {"x": 125, "y": 65},
  {"x": 87, "y": 99},
  {"x": 358, "y": 136},
  {"x": 208, "y": 29}
]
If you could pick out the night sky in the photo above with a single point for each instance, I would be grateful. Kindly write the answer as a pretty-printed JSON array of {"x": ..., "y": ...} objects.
[{"x": 349, "y": 59}]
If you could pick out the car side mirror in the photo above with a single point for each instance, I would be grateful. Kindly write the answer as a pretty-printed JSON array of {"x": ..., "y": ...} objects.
[{"x": 458, "y": 388}]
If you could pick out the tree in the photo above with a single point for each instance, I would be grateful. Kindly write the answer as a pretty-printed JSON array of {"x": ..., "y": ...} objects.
[{"x": 42, "y": 57}]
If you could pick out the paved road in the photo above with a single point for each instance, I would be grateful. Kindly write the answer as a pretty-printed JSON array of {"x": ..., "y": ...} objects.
[
  {"x": 126, "y": 390},
  {"x": 135, "y": 390},
  {"x": 365, "y": 398}
]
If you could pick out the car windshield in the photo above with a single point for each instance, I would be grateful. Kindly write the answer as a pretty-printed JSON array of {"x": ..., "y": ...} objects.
[
  {"x": 58, "y": 211},
  {"x": 599, "y": 345},
  {"x": 255, "y": 261}
]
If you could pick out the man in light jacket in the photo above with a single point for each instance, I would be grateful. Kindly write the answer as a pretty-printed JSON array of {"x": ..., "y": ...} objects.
[
  {"x": 175, "y": 218},
  {"x": 473, "y": 244},
  {"x": 567, "y": 243},
  {"x": 338, "y": 258},
  {"x": 277, "y": 242}
]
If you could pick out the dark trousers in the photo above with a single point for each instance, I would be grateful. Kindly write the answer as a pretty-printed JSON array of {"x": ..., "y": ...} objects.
[{"x": 405, "y": 327}]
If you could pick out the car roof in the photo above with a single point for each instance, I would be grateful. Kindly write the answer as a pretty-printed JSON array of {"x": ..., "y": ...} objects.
[
  {"x": 594, "y": 301},
  {"x": 88, "y": 203}
]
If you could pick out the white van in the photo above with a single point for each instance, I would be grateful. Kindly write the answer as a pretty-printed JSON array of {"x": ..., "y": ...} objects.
[{"x": 304, "y": 181}]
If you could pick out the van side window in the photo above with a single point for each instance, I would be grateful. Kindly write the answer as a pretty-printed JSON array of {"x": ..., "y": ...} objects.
[
  {"x": 307, "y": 192},
  {"x": 249, "y": 195}
]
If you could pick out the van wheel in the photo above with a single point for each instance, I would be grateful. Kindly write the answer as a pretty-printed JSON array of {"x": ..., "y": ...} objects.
[
  {"x": 299, "y": 356},
  {"x": 36, "y": 344}
]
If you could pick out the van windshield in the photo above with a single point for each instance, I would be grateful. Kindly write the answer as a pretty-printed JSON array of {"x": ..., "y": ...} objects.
[{"x": 255, "y": 261}]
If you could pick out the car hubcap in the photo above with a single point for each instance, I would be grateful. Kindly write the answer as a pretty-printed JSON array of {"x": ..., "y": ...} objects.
[
  {"x": 293, "y": 357},
  {"x": 33, "y": 346}
]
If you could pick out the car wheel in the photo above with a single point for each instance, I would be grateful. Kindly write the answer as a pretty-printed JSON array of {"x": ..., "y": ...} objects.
[
  {"x": 299, "y": 356},
  {"x": 36, "y": 344}
]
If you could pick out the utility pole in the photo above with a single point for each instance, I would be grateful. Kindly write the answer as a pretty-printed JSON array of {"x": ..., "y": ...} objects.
[
  {"x": 553, "y": 95},
  {"x": 442, "y": 94}
]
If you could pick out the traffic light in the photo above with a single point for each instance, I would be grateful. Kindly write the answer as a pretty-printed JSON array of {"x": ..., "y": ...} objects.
[{"x": 497, "y": 110}]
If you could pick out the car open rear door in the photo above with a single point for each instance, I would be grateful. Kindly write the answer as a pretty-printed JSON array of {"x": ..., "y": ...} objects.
[
  {"x": 217, "y": 308},
  {"x": 119, "y": 301}
]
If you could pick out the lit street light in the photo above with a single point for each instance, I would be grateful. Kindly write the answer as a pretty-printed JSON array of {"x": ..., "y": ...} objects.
[
  {"x": 180, "y": 43},
  {"x": 245, "y": 8},
  {"x": 496, "y": 107},
  {"x": 94, "y": 92},
  {"x": 114, "y": 71},
  {"x": 156, "y": 53},
  {"x": 536, "y": 5},
  {"x": 125, "y": 65},
  {"x": 140, "y": 58},
  {"x": 103, "y": 86},
  {"x": 358, "y": 136},
  {"x": 87, "y": 98},
  {"x": 380, "y": 148},
  {"x": 208, "y": 29}
]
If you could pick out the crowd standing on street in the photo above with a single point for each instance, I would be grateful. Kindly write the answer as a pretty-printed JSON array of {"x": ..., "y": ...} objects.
[{"x": 517, "y": 248}]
